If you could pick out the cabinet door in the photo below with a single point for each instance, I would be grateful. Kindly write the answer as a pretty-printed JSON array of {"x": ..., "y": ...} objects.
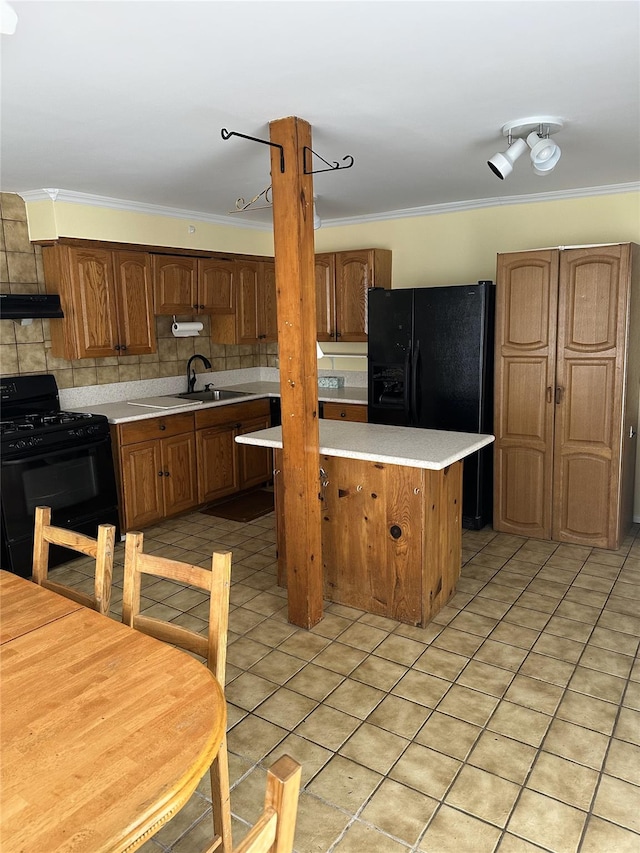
[
  {"x": 268, "y": 317},
  {"x": 247, "y": 283},
  {"x": 93, "y": 302},
  {"x": 255, "y": 464},
  {"x": 137, "y": 328},
  {"x": 174, "y": 284},
  {"x": 217, "y": 462},
  {"x": 326, "y": 296},
  {"x": 179, "y": 473},
  {"x": 142, "y": 478},
  {"x": 589, "y": 402},
  {"x": 345, "y": 412},
  {"x": 354, "y": 276},
  {"x": 216, "y": 286},
  {"x": 526, "y": 319}
]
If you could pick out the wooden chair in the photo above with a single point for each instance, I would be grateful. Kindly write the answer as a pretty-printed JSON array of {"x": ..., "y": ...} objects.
[
  {"x": 101, "y": 549},
  {"x": 212, "y": 646},
  {"x": 275, "y": 828}
]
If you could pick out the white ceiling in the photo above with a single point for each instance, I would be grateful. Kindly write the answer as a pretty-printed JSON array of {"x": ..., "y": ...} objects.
[{"x": 126, "y": 99}]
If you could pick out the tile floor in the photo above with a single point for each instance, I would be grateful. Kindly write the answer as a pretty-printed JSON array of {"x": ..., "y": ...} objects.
[{"x": 510, "y": 723}]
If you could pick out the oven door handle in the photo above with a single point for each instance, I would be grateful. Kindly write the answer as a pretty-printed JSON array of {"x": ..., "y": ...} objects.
[{"x": 52, "y": 452}]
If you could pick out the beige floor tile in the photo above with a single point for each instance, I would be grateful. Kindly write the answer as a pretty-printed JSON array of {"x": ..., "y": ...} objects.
[
  {"x": 485, "y": 678},
  {"x": 619, "y": 802},
  {"x": 310, "y": 756},
  {"x": 399, "y": 811},
  {"x": 400, "y": 650},
  {"x": 623, "y": 761},
  {"x": 631, "y": 698},
  {"x": 340, "y": 657},
  {"x": 519, "y": 723},
  {"x": 254, "y": 738},
  {"x": 345, "y": 783},
  {"x": 399, "y": 716},
  {"x": 316, "y": 682},
  {"x": 458, "y": 642},
  {"x": 378, "y": 672},
  {"x": 328, "y": 727},
  {"x": 588, "y": 712},
  {"x": 483, "y": 795},
  {"x": 362, "y": 636},
  {"x": 568, "y": 628},
  {"x": 515, "y": 635},
  {"x": 604, "y": 837},
  {"x": 285, "y": 708},
  {"x": 448, "y": 735},
  {"x": 512, "y": 844},
  {"x": 355, "y": 698},
  {"x": 547, "y": 669},
  {"x": 473, "y": 623},
  {"x": 304, "y": 644},
  {"x": 500, "y": 654},
  {"x": 244, "y": 653},
  {"x": 425, "y": 770},
  {"x": 248, "y": 690},
  {"x": 558, "y": 647},
  {"x": 374, "y": 748},
  {"x": 598, "y": 684},
  {"x": 534, "y": 694},
  {"x": 607, "y": 660},
  {"x": 469, "y": 705},
  {"x": 192, "y": 812},
  {"x": 361, "y": 838},
  {"x": 318, "y": 824},
  {"x": 544, "y": 821},
  {"x": 442, "y": 663},
  {"x": 277, "y": 667},
  {"x": 563, "y": 780},
  {"x": 422, "y": 688},
  {"x": 576, "y": 743},
  {"x": 579, "y": 612},
  {"x": 452, "y": 831},
  {"x": 271, "y": 632},
  {"x": 487, "y": 607},
  {"x": 331, "y": 626},
  {"x": 503, "y": 756},
  {"x": 526, "y": 617}
]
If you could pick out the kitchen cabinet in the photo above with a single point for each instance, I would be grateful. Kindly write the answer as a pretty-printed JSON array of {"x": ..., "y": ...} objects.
[
  {"x": 254, "y": 320},
  {"x": 156, "y": 462},
  {"x": 189, "y": 285},
  {"x": 345, "y": 412},
  {"x": 225, "y": 467},
  {"x": 566, "y": 393},
  {"x": 343, "y": 280},
  {"x": 107, "y": 300}
]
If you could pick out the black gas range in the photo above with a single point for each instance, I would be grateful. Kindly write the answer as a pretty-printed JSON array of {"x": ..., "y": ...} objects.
[{"x": 53, "y": 458}]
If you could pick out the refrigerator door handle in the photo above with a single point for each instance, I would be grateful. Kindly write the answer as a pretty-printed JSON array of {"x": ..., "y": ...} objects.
[
  {"x": 407, "y": 389},
  {"x": 414, "y": 384}
]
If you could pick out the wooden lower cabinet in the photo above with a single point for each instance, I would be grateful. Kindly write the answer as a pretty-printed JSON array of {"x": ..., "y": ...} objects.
[
  {"x": 225, "y": 467},
  {"x": 345, "y": 412},
  {"x": 391, "y": 536},
  {"x": 157, "y": 473}
]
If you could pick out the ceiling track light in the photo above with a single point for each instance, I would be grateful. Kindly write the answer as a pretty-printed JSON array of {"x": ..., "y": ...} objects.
[{"x": 534, "y": 133}]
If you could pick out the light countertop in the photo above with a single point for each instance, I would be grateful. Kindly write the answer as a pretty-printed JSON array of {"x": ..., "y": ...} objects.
[
  {"x": 123, "y": 411},
  {"x": 414, "y": 448}
]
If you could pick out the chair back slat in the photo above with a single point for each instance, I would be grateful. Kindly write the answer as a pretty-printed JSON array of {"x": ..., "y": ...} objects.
[
  {"x": 185, "y": 639},
  {"x": 100, "y": 549}
]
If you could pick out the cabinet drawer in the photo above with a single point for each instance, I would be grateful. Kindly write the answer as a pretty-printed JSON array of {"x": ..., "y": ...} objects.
[
  {"x": 233, "y": 413},
  {"x": 155, "y": 428},
  {"x": 345, "y": 412}
]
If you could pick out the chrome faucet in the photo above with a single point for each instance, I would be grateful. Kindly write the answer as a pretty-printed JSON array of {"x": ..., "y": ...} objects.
[{"x": 191, "y": 373}]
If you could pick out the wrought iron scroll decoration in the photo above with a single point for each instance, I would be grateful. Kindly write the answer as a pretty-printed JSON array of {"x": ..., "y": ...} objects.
[
  {"x": 226, "y": 134},
  {"x": 333, "y": 167},
  {"x": 242, "y": 205}
]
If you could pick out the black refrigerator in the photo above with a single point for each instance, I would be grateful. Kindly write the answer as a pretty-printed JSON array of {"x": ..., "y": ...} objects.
[{"x": 430, "y": 365}]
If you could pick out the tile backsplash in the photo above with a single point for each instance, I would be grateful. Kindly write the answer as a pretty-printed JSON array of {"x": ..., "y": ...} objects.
[{"x": 27, "y": 349}]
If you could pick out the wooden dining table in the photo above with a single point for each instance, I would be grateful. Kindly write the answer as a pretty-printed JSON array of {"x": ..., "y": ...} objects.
[{"x": 104, "y": 731}]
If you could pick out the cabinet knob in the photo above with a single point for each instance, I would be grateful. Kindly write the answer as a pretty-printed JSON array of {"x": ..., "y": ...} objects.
[
  {"x": 201, "y": 306},
  {"x": 160, "y": 474},
  {"x": 162, "y": 427},
  {"x": 117, "y": 347},
  {"x": 343, "y": 414},
  {"x": 195, "y": 307},
  {"x": 123, "y": 348},
  {"x": 167, "y": 474}
]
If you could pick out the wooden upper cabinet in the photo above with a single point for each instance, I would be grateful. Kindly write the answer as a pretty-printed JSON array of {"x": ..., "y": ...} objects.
[
  {"x": 267, "y": 303},
  {"x": 175, "y": 282},
  {"x": 343, "y": 280},
  {"x": 566, "y": 394},
  {"x": 216, "y": 285},
  {"x": 254, "y": 318},
  {"x": 106, "y": 300},
  {"x": 247, "y": 284}
]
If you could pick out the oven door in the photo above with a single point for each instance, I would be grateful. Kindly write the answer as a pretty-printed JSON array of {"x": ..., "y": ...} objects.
[{"x": 78, "y": 483}]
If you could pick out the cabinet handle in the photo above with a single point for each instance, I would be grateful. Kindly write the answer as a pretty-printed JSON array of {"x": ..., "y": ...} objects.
[
  {"x": 196, "y": 306},
  {"x": 343, "y": 414},
  {"x": 201, "y": 306},
  {"x": 167, "y": 474},
  {"x": 123, "y": 348},
  {"x": 160, "y": 474},
  {"x": 162, "y": 427},
  {"x": 559, "y": 395},
  {"x": 117, "y": 347},
  {"x": 549, "y": 393}
]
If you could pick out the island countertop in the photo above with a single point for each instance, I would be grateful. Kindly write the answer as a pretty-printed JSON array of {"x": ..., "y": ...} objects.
[{"x": 415, "y": 448}]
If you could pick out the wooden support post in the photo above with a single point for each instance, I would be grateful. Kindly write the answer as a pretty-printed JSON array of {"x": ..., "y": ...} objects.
[{"x": 292, "y": 193}]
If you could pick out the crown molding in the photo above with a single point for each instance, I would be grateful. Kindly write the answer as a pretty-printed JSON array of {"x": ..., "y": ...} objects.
[{"x": 72, "y": 197}]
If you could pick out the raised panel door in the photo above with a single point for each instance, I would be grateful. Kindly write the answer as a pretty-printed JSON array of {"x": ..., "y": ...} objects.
[
  {"x": 255, "y": 464},
  {"x": 589, "y": 397},
  {"x": 325, "y": 271},
  {"x": 179, "y": 477},
  {"x": 526, "y": 317},
  {"x": 217, "y": 465},
  {"x": 247, "y": 284},
  {"x": 137, "y": 330},
  {"x": 354, "y": 276},
  {"x": 141, "y": 471},
  {"x": 174, "y": 284},
  {"x": 94, "y": 304},
  {"x": 268, "y": 316},
  {"x": 216, "y": 286}
]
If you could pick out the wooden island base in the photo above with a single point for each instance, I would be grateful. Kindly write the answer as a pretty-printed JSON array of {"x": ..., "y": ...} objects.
[{"x": 391, "y": 536}]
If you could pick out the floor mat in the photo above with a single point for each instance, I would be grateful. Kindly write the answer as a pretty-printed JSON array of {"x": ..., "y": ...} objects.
[{"x": 243, "y": 508}]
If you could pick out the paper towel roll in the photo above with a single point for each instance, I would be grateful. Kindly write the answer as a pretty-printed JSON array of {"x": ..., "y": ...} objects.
[{"x": 186, "y": 330}]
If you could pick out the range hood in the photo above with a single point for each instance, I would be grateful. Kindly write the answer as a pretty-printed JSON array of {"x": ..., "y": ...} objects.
[{"x": 23, "y": 306}]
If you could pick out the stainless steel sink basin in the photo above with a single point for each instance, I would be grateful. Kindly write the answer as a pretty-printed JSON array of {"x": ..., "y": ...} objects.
[{"x": 212, "y": 396}]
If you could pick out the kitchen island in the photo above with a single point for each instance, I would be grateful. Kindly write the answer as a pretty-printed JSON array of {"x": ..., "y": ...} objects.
[{"x": 391, "y": 514}]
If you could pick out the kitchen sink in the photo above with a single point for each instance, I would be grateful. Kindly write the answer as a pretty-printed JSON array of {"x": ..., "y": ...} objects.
[{"x": 213, "y": 395}]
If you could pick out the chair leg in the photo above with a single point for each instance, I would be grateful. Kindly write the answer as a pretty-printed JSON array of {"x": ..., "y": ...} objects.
[{"x": 221, "y": 797}]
